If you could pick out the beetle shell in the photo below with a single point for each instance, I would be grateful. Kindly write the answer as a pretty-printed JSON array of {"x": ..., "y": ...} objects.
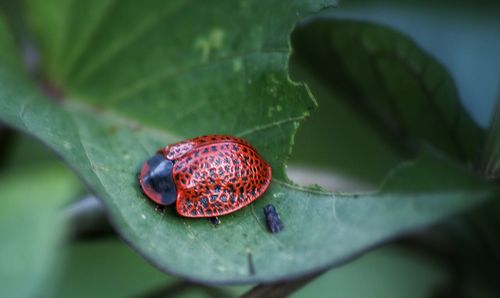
[{"x": 214, "y": 175}]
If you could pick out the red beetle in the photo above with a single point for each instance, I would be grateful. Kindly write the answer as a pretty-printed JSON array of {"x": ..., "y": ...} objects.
[{"x": 206, "y": 176}]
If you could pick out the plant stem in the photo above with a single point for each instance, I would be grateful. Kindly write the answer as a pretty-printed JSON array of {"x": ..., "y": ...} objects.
[
  {"x": 282, "y": 289},
  {"x": 88, "y": 219}
]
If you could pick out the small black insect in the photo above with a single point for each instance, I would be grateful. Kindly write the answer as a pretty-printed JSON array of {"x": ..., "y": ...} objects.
[
  {"x": 273, "y": 220},
  {"x": 214, "y": 220}
]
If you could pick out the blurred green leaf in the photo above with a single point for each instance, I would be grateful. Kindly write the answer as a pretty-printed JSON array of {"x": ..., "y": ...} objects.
[
  {"x": 490, "y": 158},
  {"x": 31, "y": 227},
  {"x": 386, "y": 272},
  {"x": 472, "y": 239},
  {"x": 108, "y": 268},
  {"x": 336, "y": 137},
  {"x": 461, "y": 35},
  {"x": 105, "y": 268},
  {"x": 24, "y": 151},
  {"x": 8, "y": 50},
  {"x": 133, "y": 84},
  {"x": 404, "y": 94}
]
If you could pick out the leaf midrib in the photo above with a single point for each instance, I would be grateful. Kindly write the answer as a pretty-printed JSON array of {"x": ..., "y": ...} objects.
[
  {"x": 122, "y": 43},
  {"x": 119, "y": 119},
  {"x": 147, "y": 81}
]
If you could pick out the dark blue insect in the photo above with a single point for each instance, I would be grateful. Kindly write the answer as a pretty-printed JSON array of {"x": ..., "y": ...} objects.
[{"x": 273, "y": 220}]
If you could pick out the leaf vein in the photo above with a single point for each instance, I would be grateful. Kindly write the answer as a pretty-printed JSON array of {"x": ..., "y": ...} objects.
[
  {"x": 83, "y": 42},
  {"x": 270, "y": 125},
  {"x": 148, "y": 81},
  {"x": 118, "y": 46}
]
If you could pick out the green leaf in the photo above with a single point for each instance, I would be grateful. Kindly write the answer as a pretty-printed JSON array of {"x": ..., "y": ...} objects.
[
  {"x": 467, "y": 33},
  {"x": 337, "y": 134},
  {"x": 404, "y": 94},
  {"x": 24, "y": 151},
  {"x": 103, "y": 269},
  {"x": 380, "y": 273},
  {"x": 490, "y": 159},
  {"x": 136, "y": 78},
  {"x": 31, "y": 227},
  {"x": 108, "y": 268}
]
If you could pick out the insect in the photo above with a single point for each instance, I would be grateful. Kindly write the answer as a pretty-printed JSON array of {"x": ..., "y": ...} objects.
[
  {"x": 273, "y": 220},
  {"x": 206, "y": 176}
]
